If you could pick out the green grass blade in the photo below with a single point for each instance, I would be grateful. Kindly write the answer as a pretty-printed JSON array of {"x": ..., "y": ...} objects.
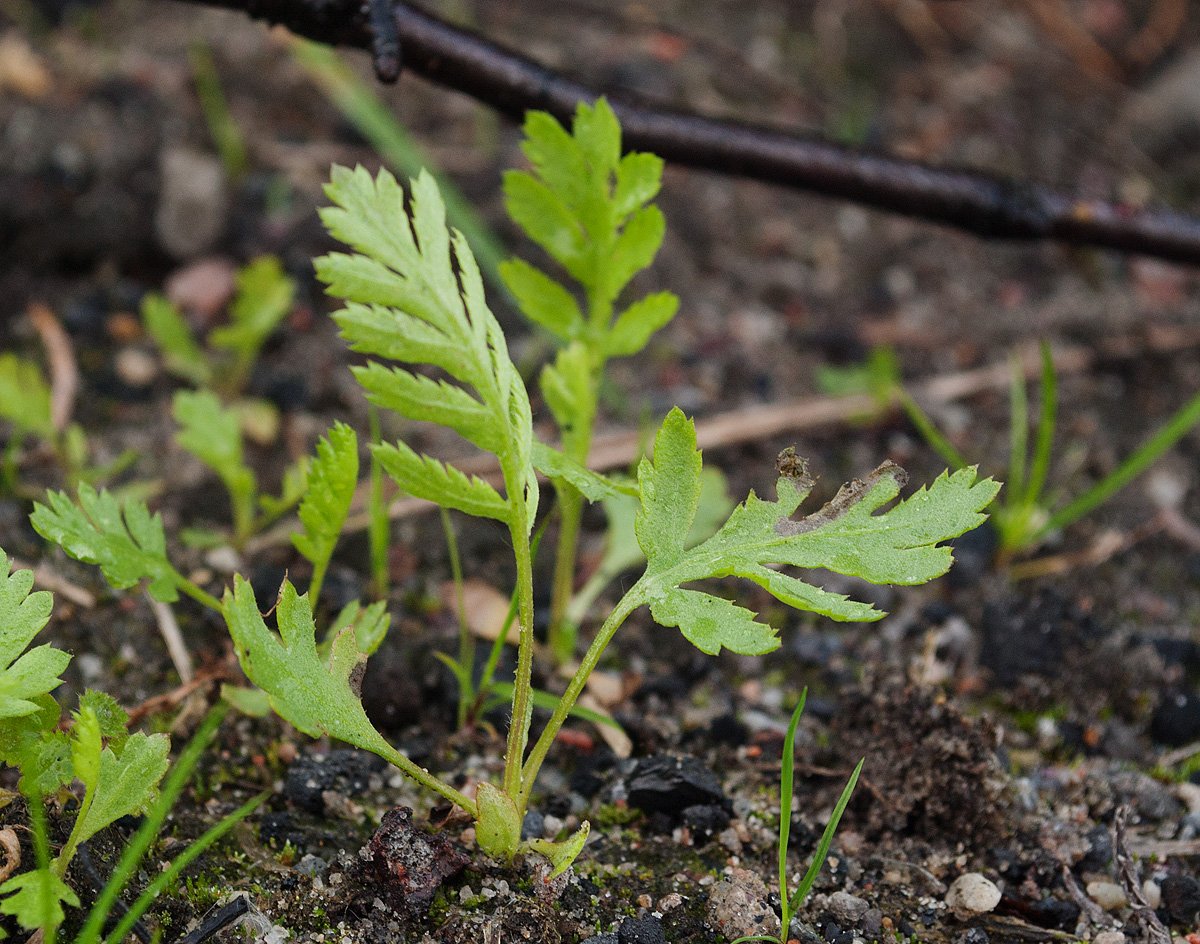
[
  {"x": 1141, "y": 459},
  {"x": 1047, "y": 420},
  {"x": 466, "y": 642},
  {"x": 224, "y": 130},
  {"x": 826, "y": 841},
  {"x": 787, "y": 775},
  {"x": 212, "y": 835},
  {"x": 375, "y": 122},
  {"x": 1018, "y": 435},
  {"x": 176, "y": 780},
  {"x": 929, "y": 432}
]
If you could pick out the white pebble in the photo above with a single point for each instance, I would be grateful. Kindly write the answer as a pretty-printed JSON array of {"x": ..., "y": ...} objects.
[
  {"x": 1108, "y": 895},
  {"x": 1152, "y": 892},
  {"x": 972, "y": 894},
  {"x": 1109, "y": 937}
]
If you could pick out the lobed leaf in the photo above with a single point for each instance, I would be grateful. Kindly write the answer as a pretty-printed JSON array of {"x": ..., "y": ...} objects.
[
  {"x": 181, "y": 354},
  {"x": 213, "y": 434},
  {"x": 24, "y": 675},
  {"x": 410, "y": 261},
  {"x": 332, "y": 477},
  {"x": 126, "y": 782},
  {"x": 129, "y": 547},
  {"x": 263, "y": 298},
  {"x": 36, "y": 898},
  {"x": 900, "y": 545},
  {"x": 318, "y": 694},
  {"x": 633, "y": 327},
  {"x": 555, "y": 465}
]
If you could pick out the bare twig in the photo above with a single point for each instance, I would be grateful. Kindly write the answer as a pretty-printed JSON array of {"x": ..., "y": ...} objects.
[
  {"x": 987, "y": 206},
  {"x": 45, "y": 578},
  {"x": 168, "y": 628},
  {"x": 60, "y": 358},
  {"x": 1131, "y": 880}
]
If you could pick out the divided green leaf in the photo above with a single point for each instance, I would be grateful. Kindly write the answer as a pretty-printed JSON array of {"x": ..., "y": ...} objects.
[
  {"x": 316, "y": 693},
  {"x": 181, "y": 354},
  {"x": 213, "y": 434},
  {"x": 126, "y": 780},
  {"x": 25, "y": 397},
  {"x": 589, "y": 208},
  {"x": 129, "y": 547},
  {"x": 24, "y": 675},
  {"x": 416, "y": 296},
  {"x": 900, "y": 545},
  {"x": 36, "y": 898},
  {"x": 332, "y": 477},
  {"x": 264, "y": 297}
]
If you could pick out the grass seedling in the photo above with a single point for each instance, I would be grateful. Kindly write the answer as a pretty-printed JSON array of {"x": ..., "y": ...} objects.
[
  {"x": 790, "y": 902},
  {"x": 226, "y": 135},
  {"x": 1024, "y": 516}
]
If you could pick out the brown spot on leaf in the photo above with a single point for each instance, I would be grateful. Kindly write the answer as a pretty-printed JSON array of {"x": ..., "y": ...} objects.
[{"x": 847, "y": 497}]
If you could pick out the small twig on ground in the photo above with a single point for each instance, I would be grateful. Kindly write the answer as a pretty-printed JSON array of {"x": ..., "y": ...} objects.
[
  {"x": 1095, "y": 914},
  {"x": 1131, "y": 880},
  {"x": 988, "y": 206},
  {"x": 179, "y": 694},
  {"x": 168, "y": 628},
  {"x": 45, "y": 578},
  {"x": 60, "y": 359}
]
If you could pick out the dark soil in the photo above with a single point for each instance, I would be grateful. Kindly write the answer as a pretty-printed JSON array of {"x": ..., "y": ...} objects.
[{"x": 1003, "y": 721}]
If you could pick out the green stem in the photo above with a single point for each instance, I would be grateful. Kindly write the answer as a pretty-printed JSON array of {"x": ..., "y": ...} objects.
[
  {"x": 466, "y": 644},
  {"x": 562, "y": 633},
  {"x": 379, "y": 527},
  {"x": 426, "y": 779},
  {"x": 522, "y": 704},
  {"x": 200, "y": 596},
  {"x": 630, "y": 602},
  {"x": 929, "y": 432}
]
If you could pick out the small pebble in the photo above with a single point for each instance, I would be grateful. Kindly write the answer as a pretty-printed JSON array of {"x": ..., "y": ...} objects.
[
  {"x": 847, "y": 910},
  {"x": 1152, "y": 892},
  {"x": 972, "y": 894},
  {"x": 1108, "y": 895},
  {"x": 135, "y": 367},
  {"x": 1109, "y": 937}
]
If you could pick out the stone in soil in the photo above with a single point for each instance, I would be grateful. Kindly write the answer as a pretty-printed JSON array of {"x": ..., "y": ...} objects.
[
  {"x": 665, "y": 784},
  {"x": 847, "y": 910},
  {"x": 413, "y": 863},
  {"x": 972, "y": 894},
  {"x": 1181, "y": 898},
  {"x": 738, "y": 906},
  {"x": 348, "y": 772},
  {"x": 641, "y": 931}
]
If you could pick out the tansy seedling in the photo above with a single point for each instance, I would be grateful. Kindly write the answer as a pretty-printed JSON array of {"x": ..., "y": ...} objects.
[{"x": 414, "y": 296}]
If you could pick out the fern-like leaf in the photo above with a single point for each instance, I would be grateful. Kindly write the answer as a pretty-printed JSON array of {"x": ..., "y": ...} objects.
[{"x": 416, "y": 296}]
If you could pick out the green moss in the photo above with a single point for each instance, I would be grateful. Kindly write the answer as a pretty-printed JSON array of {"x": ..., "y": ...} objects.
[{"x": 616, "y": 814}]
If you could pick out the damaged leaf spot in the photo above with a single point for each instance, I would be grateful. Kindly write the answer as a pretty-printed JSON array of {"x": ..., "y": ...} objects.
[{"x": 847, "y": 497}]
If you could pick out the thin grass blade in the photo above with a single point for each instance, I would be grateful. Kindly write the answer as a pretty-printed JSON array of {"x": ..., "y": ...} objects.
[{"x": 826, "y": 841}]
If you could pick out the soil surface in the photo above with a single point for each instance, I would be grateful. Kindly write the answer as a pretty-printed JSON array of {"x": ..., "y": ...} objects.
[{"x": 1004, "y": 721}]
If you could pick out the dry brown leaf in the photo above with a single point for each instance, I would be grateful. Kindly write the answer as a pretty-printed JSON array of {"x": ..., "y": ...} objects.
[{"x": 485, "y": 608}]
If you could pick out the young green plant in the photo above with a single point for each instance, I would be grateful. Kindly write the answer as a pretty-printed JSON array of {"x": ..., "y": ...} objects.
[
  {"x": 1024, "y": 517},
  {"x": 588, "y": 206},
  {"x": 790, "y": 902},
  {"x": 264, "y": 297},
  {"x": 25, "y": 405},
  {"x": 414, "y": 296},
  {"x": 119, "y": 771}
]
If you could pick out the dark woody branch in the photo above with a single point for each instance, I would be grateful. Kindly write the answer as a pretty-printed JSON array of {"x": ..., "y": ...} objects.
[{"x": 986, "y": 206}]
